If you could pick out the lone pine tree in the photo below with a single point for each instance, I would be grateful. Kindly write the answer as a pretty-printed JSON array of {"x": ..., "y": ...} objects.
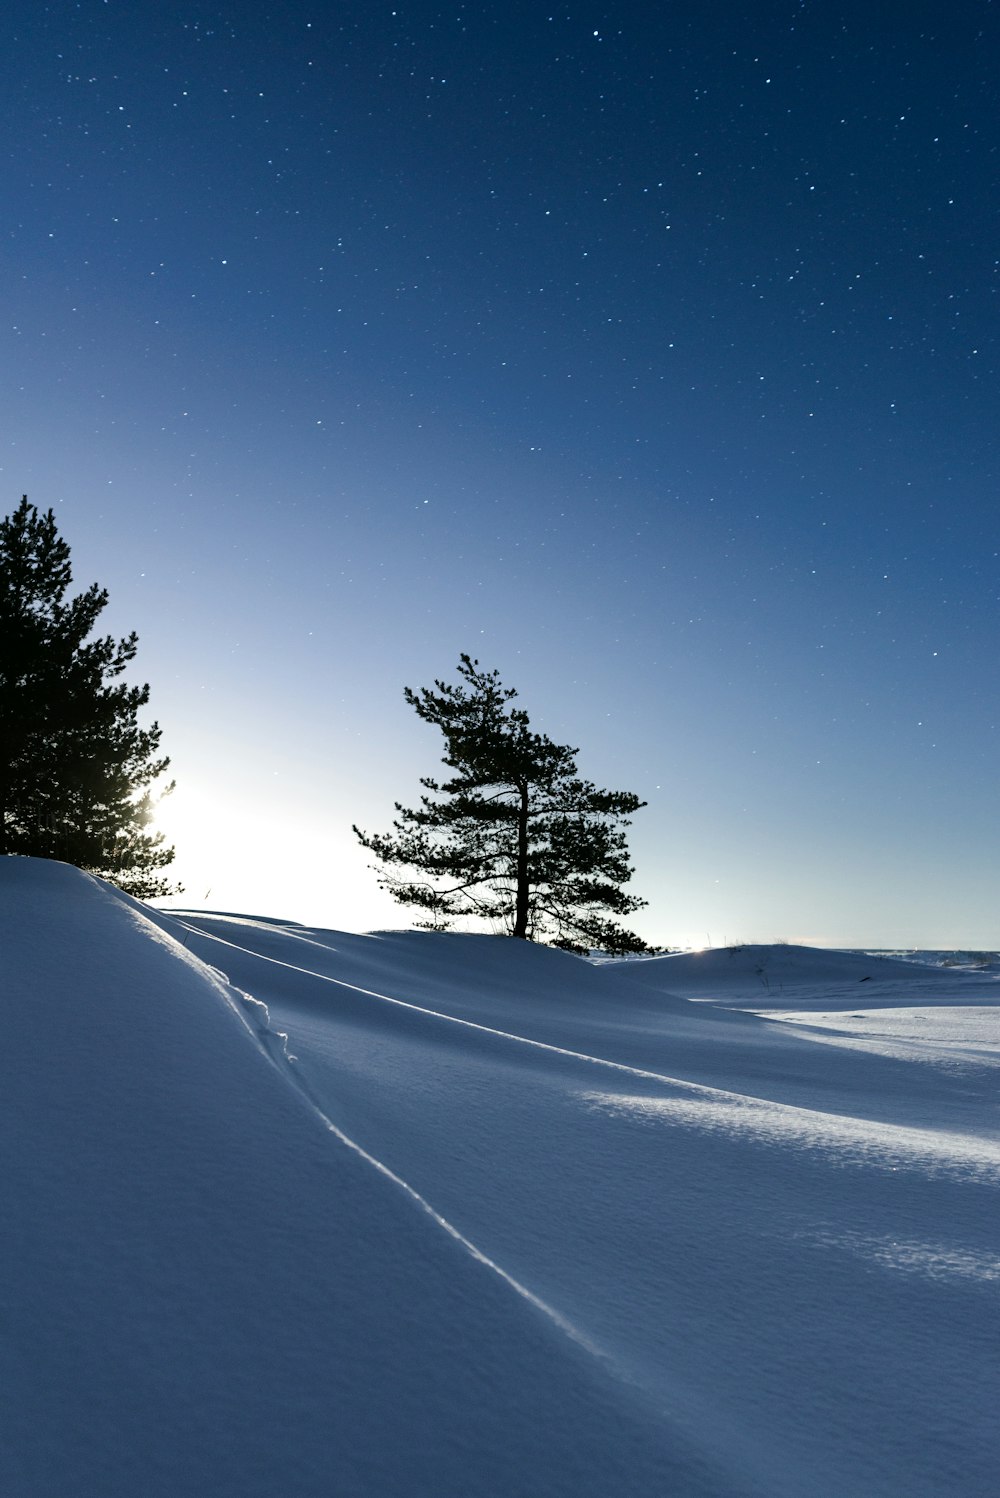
[
  {"x": 514, "y": 836},
  {"x": 75, "y": 766}
]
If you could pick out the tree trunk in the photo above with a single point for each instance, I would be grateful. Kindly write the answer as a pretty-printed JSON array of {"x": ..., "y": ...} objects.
[{"x": 521, "y": 895}]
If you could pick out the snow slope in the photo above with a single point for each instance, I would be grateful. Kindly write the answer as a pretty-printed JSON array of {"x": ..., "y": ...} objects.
[{"x": 509, "y": 1223}]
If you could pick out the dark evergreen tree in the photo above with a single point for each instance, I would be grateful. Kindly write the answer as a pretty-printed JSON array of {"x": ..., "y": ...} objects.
[
  {"x": 514, "y": 836},
  {"x": 76, "y": 769}
]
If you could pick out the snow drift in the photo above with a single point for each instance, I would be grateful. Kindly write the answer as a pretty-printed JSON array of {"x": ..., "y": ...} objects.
[{"x": 300, "y": 1212}]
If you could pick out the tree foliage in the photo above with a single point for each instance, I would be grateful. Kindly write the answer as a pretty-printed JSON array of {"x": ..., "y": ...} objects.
[
  {"x": 76, "y": 769},
  {"x": 514, "y": 835}
]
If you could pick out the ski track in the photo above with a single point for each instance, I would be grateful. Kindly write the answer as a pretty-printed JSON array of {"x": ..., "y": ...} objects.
[
  {"x": 840, "y": 1139},
  {"x": 274, "y": 1044},
  {"x": 742, "y": 1466}
]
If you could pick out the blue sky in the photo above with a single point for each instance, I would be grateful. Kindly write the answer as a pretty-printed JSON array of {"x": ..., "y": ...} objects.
[{"x": 649, "y": 356}]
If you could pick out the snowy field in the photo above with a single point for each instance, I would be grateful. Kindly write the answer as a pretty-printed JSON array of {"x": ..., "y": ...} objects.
[{"x": 458, "y": 1217}]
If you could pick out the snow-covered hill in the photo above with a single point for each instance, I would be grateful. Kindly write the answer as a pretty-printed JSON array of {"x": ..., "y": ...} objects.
[
  {"x": 509, "y": 1223},
  {"x": 783, "y": 976}
]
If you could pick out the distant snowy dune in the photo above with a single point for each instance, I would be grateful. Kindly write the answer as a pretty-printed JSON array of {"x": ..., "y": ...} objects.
[
  {"x": 293, "y": 1213},
  {"x": 784, "y": 976}
]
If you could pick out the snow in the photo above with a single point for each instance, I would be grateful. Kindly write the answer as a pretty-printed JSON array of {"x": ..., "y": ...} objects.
[
  {"x": 778, "y": 977},
  {"x": 300, "y": 1212}
]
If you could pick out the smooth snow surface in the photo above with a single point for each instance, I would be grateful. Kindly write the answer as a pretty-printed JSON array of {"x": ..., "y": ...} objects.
[
  {"x": 776, "y": 977},
  {"x": 455, "y": 1215}
]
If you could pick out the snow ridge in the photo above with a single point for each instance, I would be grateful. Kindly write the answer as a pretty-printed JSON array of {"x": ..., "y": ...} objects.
[
  {"x": 274, "y": 1045},
  {"x": 846, "y": 1140}
]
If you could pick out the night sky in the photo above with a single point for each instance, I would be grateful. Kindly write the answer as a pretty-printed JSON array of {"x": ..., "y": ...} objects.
[{"x": 647, "y": 353}]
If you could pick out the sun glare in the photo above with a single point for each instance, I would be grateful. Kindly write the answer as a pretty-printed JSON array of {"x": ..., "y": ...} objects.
[{"x": 259, "y": 863}]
